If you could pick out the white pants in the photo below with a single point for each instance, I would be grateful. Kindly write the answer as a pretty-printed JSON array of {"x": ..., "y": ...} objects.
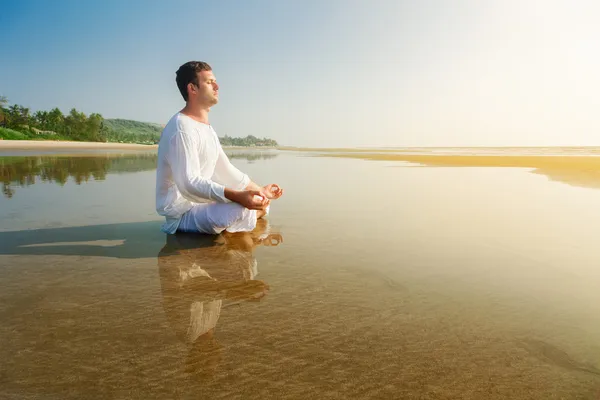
[{"x": 214, "y": 218}]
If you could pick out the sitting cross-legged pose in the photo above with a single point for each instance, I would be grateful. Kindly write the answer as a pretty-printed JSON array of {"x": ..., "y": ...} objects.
[{"x": 197, "y": 187}]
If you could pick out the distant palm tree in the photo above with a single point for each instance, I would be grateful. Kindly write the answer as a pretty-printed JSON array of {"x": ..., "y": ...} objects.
[{"x": 3, "y": 102}]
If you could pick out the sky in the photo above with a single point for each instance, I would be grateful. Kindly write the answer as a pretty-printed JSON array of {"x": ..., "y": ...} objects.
[{"x": 321, "y": 73}]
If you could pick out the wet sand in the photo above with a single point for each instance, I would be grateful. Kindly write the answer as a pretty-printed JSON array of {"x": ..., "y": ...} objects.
[
  {"x": 59, "y": 144},
  {"x": 576, "y": 170}
]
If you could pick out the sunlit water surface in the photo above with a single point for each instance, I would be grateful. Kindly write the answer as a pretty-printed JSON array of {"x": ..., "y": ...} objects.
[{"x": 370, "y": 279}]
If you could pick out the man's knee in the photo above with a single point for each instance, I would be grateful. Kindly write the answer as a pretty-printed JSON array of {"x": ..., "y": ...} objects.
[{"x": 229, "y": 215}]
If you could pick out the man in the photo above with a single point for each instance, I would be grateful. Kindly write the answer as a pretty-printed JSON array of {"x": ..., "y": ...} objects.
[{"x": 197, "y": 187}]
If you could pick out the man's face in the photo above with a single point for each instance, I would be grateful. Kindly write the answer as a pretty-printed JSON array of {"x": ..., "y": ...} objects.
[{"x": 207, "y": 91}]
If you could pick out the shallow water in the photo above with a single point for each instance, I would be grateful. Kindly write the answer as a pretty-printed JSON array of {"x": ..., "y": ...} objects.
[{"x": 370, "y": 279}]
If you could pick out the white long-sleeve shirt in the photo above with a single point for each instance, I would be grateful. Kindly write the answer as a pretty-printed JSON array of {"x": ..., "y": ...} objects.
[{"x": 192, "y": 168}]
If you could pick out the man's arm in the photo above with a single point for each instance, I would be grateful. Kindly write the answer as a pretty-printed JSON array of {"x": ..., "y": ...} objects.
[
  {"x": 253, "y": 186},
  {"x": 184, "y": 160},
  {"x": 228, "y": 175},
  {"x": 185, "y": 165}
]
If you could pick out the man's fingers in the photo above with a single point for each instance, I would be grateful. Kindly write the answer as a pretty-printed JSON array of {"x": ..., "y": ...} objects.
[
  {"x": 259, "y": 201},
  {"x": 262, "y": 193},
  {"x": 273, "y": 191},
  {"x": 259, "y": 195}
]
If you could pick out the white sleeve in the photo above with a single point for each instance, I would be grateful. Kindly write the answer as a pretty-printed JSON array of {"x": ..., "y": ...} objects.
[
  {"x": 184, "y": 160},
  {"x": 227, "y": 174}
]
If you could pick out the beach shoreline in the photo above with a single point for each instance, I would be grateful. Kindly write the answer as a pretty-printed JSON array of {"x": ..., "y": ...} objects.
[{"x": 60, "y": 144}]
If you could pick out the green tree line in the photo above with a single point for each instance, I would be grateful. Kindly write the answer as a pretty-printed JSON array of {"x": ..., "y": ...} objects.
[
  {"x": 128, "y": 131},
  {"x": 52, "y": 124},
  {"x": 19, "y": 123},
  {"x": 248, "y": 141}
]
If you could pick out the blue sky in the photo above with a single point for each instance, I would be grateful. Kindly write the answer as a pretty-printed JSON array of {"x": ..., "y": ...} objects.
[{"x": 321, "y": 73}]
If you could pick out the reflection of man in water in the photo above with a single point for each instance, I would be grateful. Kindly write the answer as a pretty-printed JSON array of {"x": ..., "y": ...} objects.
[
  {"x": 199, "y": 276},
  {"x": 197, "y": 187}
]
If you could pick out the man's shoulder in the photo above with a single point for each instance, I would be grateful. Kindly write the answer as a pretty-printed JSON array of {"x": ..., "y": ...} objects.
[
  {"x": 186, "y": 129},
  {"x": 178, "y": 125},
  {"x": 186, "y": 124}
]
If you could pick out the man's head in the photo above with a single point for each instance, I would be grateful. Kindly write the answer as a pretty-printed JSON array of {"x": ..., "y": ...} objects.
[{"x": 197, "y": 84}]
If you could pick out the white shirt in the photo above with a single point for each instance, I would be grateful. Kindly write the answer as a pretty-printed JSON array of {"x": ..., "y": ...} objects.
[{"x": 192, "y": 168}]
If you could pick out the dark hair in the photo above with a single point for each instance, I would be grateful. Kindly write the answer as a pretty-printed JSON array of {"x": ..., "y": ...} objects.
[{"x": 187, "y": 74}]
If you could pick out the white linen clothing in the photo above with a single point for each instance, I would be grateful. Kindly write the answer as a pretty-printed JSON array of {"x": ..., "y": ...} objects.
[
  {"x": 193, "y": 169},
  {"x": 216, "y": 217}
]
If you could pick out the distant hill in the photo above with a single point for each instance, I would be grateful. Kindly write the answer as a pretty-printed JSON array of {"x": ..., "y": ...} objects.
[{"x": 128, "y": 131}]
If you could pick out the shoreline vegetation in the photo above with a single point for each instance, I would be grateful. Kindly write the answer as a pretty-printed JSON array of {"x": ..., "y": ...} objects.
[{"x": 18, "y": 123}]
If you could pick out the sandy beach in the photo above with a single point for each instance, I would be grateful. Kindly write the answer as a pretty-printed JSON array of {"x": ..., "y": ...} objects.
[{"x": 56, "y": 144}]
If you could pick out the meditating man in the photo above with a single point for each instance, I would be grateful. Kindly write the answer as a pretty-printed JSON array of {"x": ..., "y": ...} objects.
[{"x": 197, "y": 188}]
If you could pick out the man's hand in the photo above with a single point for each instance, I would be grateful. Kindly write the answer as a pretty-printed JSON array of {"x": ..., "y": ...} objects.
[
  {"x": 273, "y": 191},
  {"x": 251, "y": 199}
]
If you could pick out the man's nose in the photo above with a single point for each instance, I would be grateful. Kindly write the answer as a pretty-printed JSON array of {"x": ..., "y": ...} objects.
[{"x": 216, "y": 85}]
